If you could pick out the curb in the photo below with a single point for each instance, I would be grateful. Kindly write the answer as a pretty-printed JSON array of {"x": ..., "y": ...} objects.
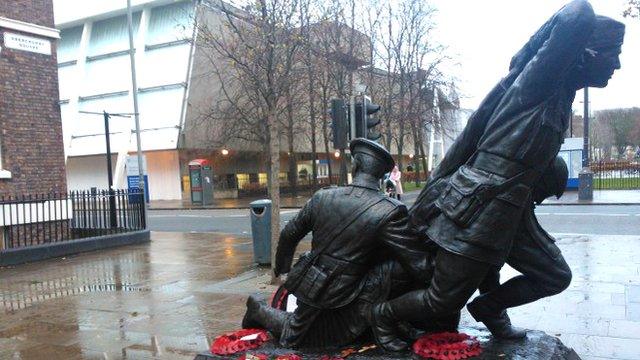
[{"x": 10, "y": 257}]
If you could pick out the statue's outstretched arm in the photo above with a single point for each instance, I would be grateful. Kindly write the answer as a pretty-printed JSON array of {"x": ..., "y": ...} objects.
[
  {"x": 555, "y": 49},
  {"x": 290, "y": 236}
]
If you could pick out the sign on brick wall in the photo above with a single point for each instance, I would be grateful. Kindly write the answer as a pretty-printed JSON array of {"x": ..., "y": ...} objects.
[{"x": 27, "y": 43}]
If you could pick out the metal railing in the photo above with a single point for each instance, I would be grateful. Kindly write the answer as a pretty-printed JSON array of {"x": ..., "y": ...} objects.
[
  {"x": 616, "y": 175},
  {"x": 29, "y": 220}
]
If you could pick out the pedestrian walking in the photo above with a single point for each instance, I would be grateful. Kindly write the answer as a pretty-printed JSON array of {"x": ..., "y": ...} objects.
[{"x": 395, "y": 176}]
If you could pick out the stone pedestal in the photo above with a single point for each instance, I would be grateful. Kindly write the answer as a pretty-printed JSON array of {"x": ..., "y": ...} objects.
[{"x": 536, "y": 346}]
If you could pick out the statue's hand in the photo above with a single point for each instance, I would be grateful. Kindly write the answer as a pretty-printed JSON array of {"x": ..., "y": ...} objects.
[{"x": 283, "y": 266}]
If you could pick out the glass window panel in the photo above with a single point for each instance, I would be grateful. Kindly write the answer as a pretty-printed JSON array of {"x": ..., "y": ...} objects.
[
  {"x": 94, "y": 124},
  {"x": 112, "y": 35},
  {"x": 160, "y": 108},
  {"x": 243, "y": 180},
  {"x": 164, "y": 66},
  {"x": 262, "y": 178},
  {"x": 170, "y": 23},
  {"x": 107, "y": 75},
  {"x": 69, "y": 44}
]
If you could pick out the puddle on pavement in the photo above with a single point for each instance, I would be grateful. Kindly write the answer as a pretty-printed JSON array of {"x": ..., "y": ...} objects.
[{"x": 114, "y": 275}]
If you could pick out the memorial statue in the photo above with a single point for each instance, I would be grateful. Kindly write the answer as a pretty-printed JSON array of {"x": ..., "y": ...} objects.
[
  {"x": 479, "y": 197},
  {"x": 362, "y": 253}
]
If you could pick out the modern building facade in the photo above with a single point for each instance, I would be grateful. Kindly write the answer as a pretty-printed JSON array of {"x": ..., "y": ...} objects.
[
  {"x": 95, "y": 76},
  {"x": 176, "y": 92},
  {"x": 31, "y": 147}
]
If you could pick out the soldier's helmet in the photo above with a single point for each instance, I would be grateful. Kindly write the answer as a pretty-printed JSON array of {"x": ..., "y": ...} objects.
[
  {"x": 553, "y": 181},
  {"x": 370, "y": 157}
]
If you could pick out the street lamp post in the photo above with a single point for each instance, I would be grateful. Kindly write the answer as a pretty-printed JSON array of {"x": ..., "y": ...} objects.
[
  {"x": 136, "y": 113},
  {"x": 585, "y": 186}
]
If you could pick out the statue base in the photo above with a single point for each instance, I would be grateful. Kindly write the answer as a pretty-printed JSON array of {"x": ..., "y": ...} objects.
[{"x": 536, "y": 346}]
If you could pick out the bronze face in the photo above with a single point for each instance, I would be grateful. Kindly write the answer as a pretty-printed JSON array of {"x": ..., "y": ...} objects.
[{"x": 601, "y": 64}]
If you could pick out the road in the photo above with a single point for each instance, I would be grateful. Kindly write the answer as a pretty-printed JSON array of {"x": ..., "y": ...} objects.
[{"x": 575, "y": 219}]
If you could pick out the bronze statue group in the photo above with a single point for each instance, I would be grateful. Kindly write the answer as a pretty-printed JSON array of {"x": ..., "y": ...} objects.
[{"x": 379, "y": 268}]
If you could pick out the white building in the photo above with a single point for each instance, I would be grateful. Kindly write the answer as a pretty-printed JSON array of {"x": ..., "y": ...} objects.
[{"x": 95, "y": 76}]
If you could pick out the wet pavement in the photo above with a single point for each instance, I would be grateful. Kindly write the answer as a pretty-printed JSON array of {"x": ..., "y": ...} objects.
[{"x": 170, "y": 298}]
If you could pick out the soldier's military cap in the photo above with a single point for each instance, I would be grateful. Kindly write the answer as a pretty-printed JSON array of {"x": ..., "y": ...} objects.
[{"x": 372, "y": 148}]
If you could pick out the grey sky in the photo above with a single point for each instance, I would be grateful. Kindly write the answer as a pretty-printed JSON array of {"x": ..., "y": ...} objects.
[{"x": 483, "y": 35}]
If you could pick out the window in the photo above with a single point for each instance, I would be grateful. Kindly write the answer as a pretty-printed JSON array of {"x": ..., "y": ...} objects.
[
  {"x": 107, "y": 75},
  {"x": 164, "y": 66},
  {"x": 112, "y": 35},
  {"x": 4, "y": 174},
  {"x": 170, "y": 23},
  {"x": 69, "y": 44},
  {"x": 160, "y": 108},
  {"x": 88, "y": 124}
]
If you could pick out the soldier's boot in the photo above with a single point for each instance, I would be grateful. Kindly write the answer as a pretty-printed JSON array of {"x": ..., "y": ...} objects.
[
  {"x": 488, "y": 311},
  {"x": 385, "y": 330},
  {"x": 385, "y": 317},
  {"x": 262, "y": 316},
  {"x": 409, "y": 332}
]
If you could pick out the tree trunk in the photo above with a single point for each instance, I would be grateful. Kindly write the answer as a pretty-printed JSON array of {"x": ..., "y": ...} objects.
[
  {"x": 274, "y": 185},
  {"x": 325, "y": 133},
  {"x": 293, "y": 167},
  {"x": 416, "y": 151},
  {"x": 422, "y": 152},
  {"x": 314, "y": 137},
  {"x": 400, "y": 146}
]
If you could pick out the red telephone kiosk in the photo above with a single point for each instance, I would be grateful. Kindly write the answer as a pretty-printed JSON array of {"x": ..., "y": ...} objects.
[{"x": 201, "y": 179}]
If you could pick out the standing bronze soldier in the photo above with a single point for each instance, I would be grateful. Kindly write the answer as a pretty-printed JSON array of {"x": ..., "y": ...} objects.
[
  {"x": 356, "y": 231},
  {"x": 476, "y": 198}
]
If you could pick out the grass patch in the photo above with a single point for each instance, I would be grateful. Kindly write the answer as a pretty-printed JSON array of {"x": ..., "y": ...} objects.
[
  {"x": 411, "y": 186},
  {"x": 617, "y": 184}
]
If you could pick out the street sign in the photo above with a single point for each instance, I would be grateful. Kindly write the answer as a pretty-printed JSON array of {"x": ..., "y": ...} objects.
[
  {"x": 132, "y": 165},
  {"x": 27, "y": 43}
]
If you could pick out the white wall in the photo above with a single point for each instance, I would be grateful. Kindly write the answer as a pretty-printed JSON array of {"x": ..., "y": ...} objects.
[
  {"x": 86, "y": 172},
  {"x": 163, "y": 169},
  {"x": 164, "y": 175}
]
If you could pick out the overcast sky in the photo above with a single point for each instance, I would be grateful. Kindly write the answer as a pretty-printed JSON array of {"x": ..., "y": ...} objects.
[{"x": 482, "y": 36}]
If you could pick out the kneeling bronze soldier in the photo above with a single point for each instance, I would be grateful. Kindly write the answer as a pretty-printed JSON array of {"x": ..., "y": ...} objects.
[{"x": 361, "y": 251}]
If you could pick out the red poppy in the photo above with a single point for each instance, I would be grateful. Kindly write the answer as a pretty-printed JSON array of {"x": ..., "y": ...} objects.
[
  {"x": 447, "y": 346},
  {"x": 239, "y": 341}
]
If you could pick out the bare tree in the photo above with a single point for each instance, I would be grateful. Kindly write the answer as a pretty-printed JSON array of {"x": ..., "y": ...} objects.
[
  {"x": 623, "y": 124},
  {"x": 254, "y": 52},
  {"x": 633, "y": 9}
]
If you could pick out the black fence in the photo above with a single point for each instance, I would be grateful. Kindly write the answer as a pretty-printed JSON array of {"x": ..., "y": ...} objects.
[
  {"x": 616, "y": 175},
  {"x": 29, "y": 220}
]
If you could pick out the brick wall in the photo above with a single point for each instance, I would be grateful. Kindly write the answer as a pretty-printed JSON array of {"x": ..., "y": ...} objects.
[
  {"x": 39, "y": 12},
  {"x": 30, "y": 124}
]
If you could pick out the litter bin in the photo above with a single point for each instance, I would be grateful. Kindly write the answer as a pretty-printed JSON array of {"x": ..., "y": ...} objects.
[{"x": 261, "y": 231}]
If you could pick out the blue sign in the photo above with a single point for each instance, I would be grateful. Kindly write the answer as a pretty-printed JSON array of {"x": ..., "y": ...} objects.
[{"x": 133, "y": 183}]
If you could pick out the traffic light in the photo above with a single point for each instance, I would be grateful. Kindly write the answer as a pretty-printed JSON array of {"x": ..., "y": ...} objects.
[
  {"x": 365, "y": 122},
  {"x": 339, "y": 124}
]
